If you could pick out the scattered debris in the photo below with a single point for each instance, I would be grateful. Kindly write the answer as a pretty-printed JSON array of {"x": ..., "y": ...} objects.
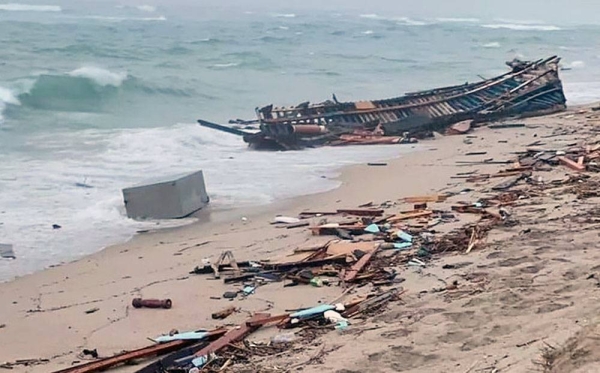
[
  {"x": 377, "y": 164},
  {"x": 151, "y": 303},
  {"x": 224, "y": 313},
  {"x": 24, "y": 363},
  {"x": 506, "y": 125},
  {"x": 93, "y": 353},
  {"x": 92, "y": 310}
]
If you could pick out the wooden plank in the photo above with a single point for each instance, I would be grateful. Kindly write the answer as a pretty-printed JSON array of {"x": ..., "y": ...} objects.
[
  {"x": 571, "y": 164},
  {"x": 410, "y": 215},
  {"x": 232, "y": 336},
  {"x": 341, "y": 259},
  {"x": 347, "y": 248},
  {"x": 361, "y": 212},
  {"x": 424, "y": 199},
  {"x": 267, "y": 320},
  {"x": 364, "y": 105},
  {"x": 351, "y": 274},
  {"x": 125, "y": 357}
]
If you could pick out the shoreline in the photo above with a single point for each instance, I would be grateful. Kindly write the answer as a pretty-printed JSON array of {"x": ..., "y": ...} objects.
[
  {"x": 157, "y": 264},
  {"x": 214, "y": 216}
]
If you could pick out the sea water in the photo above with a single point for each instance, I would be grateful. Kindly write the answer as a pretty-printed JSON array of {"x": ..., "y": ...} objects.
[{"x": 97, "y": 98}]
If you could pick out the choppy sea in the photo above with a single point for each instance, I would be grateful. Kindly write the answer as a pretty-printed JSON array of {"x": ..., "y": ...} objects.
[{"x": 108, "y": 97}]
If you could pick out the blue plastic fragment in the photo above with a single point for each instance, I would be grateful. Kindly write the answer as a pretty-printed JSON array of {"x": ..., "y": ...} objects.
[
  {"x": 342, "y": 325},
  {"x": 200, "y": 361},
  {"x": 312, "y": 311},
  {"x": 181, "y": 337},
  {"x": 373, "y": 228},
  {"x": 403, "y": 245},
  {"x": 404, "y": 236},
  {"x": 249, "y": 290}
]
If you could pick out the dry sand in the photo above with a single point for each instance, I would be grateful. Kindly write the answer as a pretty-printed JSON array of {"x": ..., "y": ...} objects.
[{"x": 528, "y": 289}]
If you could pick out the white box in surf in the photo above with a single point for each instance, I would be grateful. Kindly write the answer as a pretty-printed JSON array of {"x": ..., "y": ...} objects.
[{"x": 168, "y": 198}]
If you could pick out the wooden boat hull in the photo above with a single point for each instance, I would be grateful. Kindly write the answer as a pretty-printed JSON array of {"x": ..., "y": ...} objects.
[{"x": 529, "y": 88}]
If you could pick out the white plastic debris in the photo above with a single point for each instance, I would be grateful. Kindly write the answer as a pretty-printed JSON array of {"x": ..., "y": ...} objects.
[{"x": 286, "y": 220}]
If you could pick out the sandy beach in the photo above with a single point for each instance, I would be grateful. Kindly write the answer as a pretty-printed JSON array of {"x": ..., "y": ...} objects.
[{"x": 525, "y": 300}]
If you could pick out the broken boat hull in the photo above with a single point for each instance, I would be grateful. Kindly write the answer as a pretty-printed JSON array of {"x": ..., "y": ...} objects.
[{"x": 529, "y": 88}]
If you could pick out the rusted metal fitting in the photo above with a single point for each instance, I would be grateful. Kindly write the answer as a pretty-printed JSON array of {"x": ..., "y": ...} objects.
[{"x": 151, "y": 303}]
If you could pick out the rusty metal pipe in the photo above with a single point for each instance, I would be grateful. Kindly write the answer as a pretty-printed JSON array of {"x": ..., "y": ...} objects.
[{"x": 151, "y": 303}]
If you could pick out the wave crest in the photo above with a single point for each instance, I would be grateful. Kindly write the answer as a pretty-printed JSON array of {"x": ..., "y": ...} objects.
[
  {"x": 457, "y": 20},
  {"x": 17, "y": 7},
  {"x": 123, "y": 19},
  {"x": 493, "y": 44},
  {"x": 522, "y": 27},
  {"x": 146, "y": 8},
  {"x": 100, "y": 76}
]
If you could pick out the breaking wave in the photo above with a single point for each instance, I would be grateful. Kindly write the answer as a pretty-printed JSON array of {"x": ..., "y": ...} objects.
[
  {"x": 146, "y": 8},
  {"x": 7, "y": 97},
  {"x": 100, "y": 76},
  {"x": 522, "y": 27},
  {"x": 576, "y": 65},
  {"x": 86, "y": 90},
  {"x": 457, "y": 20},
  {"x": 123, "y": 19},
  {"x": 16, "y": 7},
  {"x": 493, "y": 44},
  {"x": 403, "y": 21},
  {"x": 225, "y": 65}
]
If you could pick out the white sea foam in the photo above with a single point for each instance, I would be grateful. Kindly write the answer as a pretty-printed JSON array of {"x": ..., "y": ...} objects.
[
  {"x": 101, "y": 76},
  {"x": 405, "y": 21},
  {"x": 7, "y": 96},
  {"x": 493, "y": 44},
  {"x": 123, "y": 19},
  {"x": 582, "y": 93},
  {"x": 368, "y": 32},
  {"x": 520, "y": 21},
  {"x": 284, "y": 15},
  {"x": 17, "y": 7},
  {"x": 576, "y": 65},
  {"x": 457, "y": 20},
  {"x": 522, "y": 27},
  {"x": 109, "y": 160},
  {"x": 146, "y": 8},
  {"x": 284, "y": 28},
  {"x": 225, "y": 65}
]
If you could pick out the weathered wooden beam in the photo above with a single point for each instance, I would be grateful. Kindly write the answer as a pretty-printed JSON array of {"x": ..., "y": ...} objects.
[
  {"x": 351, "y": 274},
  {"x": 409, "y": 215},
  {"x": 125, "y": 357},
  {"x": 341, "y": 259},
  {"x": 424, "y": 199},
  {"x": 576, "y": 166},
  {"x": 232, "y": 336}
]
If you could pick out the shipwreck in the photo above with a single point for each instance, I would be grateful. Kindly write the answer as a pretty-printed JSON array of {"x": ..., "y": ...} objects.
[{"x": 528, "y": 89}]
